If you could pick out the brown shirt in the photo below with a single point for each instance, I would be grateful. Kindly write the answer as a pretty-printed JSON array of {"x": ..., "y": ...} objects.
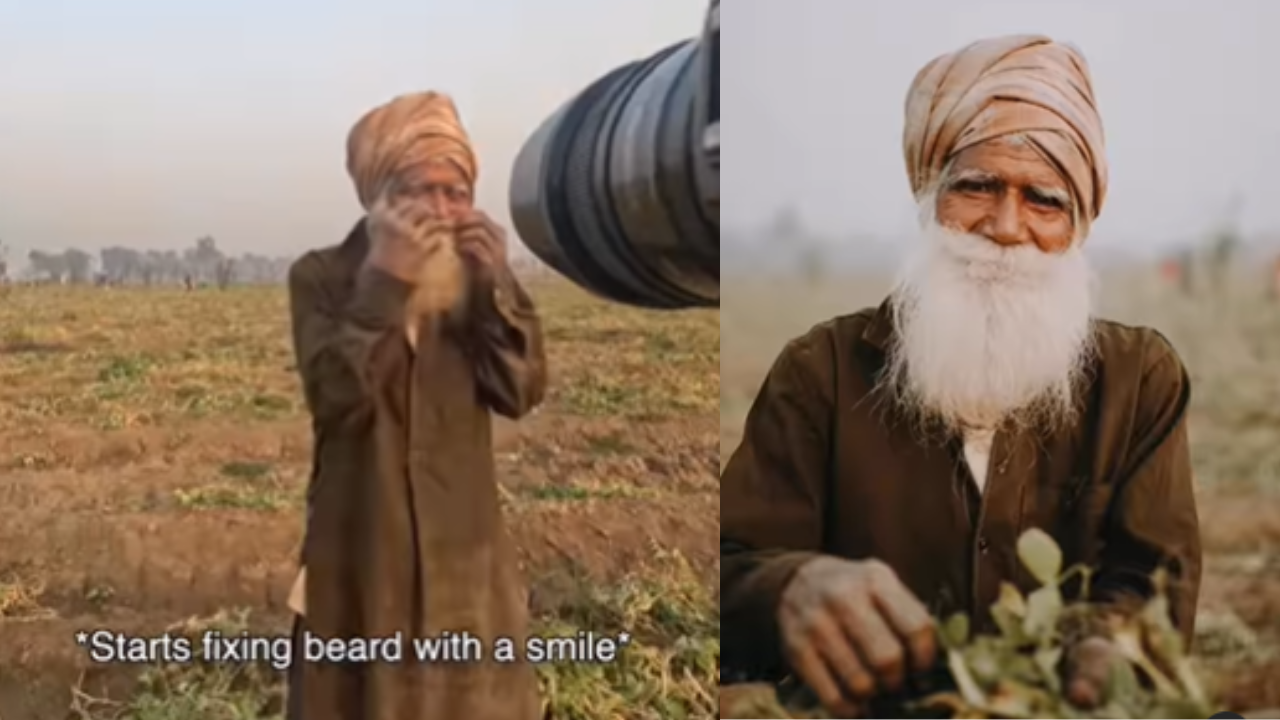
[
  {"x": 404, "y": 533},
  {"x": 827, "y": 465}
]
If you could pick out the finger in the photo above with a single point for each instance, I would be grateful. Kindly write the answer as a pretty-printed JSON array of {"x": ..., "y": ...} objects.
[
  {"x": 483, "y": 225},
  {"x": 477, "y": 231},
  {"x": 875, "y": 641},
  {"x": 809, "y": 666},
  {"x": 495, "y": 230},
  {"x": 420, "y": 215},
  {"x": 472, "y": 235},
  {"x": 475, "y": 218},
  {"x": 1084, "y": 693},
  {"x": 473, "y": 249},
  {"x": 907, "y": 617},
  {"x": 1088, "y": 667},
  {"x": 479, "y": 255},
  {"x": 488, "y": 224},
  {"x": 476, "y": 245},
  {"x": 394, "y": 215},
  {"x": 835, "y": 649}
]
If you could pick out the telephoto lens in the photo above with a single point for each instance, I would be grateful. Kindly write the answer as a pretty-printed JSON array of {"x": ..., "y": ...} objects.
[
  {"x": 710, "y": 179},
  {"x": 712, "y": 85},
  {"x": 611, "y": 190}
]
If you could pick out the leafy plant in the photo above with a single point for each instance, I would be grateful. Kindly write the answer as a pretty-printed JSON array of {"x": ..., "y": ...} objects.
[{"x": 1017, "y": 672}]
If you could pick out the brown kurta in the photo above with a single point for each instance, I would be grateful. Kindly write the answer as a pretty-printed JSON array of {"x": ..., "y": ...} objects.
[
  {"x": 828, "y": 466},
  {"x": 404, "y": 532}
]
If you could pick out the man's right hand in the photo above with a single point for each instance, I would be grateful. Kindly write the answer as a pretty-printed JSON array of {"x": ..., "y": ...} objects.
[
  {"x": 404, "y": 235},
  {"x": 851, "y": 629}
]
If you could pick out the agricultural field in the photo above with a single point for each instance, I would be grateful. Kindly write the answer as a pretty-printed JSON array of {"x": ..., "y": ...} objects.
[
  {"x": 1230, "y": 340},
  {"x": 153, "y": 457},
  {"x": 153, "y": 454}
]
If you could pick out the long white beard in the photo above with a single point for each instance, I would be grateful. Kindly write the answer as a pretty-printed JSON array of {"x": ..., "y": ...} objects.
[{"x": 988, "y": 335}]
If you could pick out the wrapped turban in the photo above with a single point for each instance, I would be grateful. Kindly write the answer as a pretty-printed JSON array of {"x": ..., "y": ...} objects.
[
  {"x": 409, "y": 130},
  {"x": 1027, "y": 85}
]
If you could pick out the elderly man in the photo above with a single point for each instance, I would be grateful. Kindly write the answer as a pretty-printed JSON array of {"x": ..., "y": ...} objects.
[
  {"x": 408, "y": 334},
  {"x": 894, "y": 456}
]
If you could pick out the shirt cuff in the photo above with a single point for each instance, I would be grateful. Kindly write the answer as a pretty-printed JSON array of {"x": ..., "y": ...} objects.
[{"x": 754, "y": 639}]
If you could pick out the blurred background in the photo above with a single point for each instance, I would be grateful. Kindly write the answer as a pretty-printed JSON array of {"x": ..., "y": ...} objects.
[{"x": 817, "y": 212}]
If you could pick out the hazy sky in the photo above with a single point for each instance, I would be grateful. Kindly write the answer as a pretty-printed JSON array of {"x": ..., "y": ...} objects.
[
  {"x": 1189, "y": 94},
  {"x": 151, "y": 123}
]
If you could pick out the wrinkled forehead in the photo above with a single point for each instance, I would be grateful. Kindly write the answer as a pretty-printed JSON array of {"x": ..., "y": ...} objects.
[
  {"x": 1011, "y": 160},
  {"x": 436, "y": 171}
]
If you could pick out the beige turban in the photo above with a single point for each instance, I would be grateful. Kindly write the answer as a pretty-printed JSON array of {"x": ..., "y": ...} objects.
[
  {"x": 1021, "y": 84},
  {"x": 407, "y": 131}
]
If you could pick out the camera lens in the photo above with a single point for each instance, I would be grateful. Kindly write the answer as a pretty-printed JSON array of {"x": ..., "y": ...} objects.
[
  {"x": 713, "y": 73},
  {"x": 606, "y": 191},
  {"x": 711, "y": 136}
]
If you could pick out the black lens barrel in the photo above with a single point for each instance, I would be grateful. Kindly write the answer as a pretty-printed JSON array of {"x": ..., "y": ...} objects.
[{"x": 606, "y": 191}]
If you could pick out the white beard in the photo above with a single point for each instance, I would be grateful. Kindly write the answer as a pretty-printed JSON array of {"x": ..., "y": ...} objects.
[{"x": 988, "y": 335}]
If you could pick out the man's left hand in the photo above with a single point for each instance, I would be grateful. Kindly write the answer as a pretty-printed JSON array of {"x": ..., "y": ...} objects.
[
  {"x": 1088, "y": 667},
  {"x": 483, "y": 243}
]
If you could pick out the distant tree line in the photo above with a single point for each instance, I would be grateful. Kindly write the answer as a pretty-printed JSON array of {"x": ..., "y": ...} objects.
[{"x": 200, "y": 265}]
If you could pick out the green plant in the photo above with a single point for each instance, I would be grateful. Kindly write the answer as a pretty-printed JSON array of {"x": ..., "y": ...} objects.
[{"x": 1017, "y": 671}]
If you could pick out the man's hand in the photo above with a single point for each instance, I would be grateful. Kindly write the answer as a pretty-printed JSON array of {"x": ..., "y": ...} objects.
[
  {"x": 483, "y": 243},
  {"x": 403, "y": 235},
  {"x": 852, "y": 629},
  {"x": 1088, "y": 666}
]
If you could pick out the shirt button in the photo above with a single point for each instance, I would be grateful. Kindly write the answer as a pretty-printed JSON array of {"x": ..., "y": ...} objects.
[{"x": 983, "y": 545}]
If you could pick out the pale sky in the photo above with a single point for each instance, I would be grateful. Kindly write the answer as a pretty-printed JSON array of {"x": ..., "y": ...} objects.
[
  {"x": 148, "y": 123},
  {"x": 1189, "y": 94}
]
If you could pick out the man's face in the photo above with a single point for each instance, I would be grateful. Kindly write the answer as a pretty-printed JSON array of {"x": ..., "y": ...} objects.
[
  {"x": 1003, "y": 190},
  {"x": 993, "y": 311},
  {"x": 440, "y": 185}
]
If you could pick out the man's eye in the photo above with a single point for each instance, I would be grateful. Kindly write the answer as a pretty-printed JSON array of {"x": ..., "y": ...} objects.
[
  {"x": 976, "y": 186},
  {"x": 1045, "y": 201}
]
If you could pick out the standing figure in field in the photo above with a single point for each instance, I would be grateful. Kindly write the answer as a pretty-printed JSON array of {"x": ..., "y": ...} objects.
[
  {"x": 1173, "y": 272},
  {"x": 894, "y": 456},
  {"x": 408, "y": 335}
]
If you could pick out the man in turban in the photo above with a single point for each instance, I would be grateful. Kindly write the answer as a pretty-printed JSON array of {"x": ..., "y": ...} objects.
[
  {"x": 894, "y": 456},
  {"x": 408, "y": 335}
]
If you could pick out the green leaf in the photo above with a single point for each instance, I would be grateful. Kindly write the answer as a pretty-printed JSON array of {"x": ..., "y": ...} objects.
[
  {"x": 982, "y": 661},
  {"x": 1012, "y": 600},
  {"x": 1044, "y": 606},
  {"x": 955, "y": 631},
  {"x": 965, "y": 683},
  {"x": 1041, "y": 555},
  {"x": 1047, "y": 660},
  {"x": 1010, "y": 626}
]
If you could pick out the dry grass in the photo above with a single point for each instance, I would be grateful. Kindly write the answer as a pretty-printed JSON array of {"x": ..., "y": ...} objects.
[
  {"x": 1230, "y": 342},
  {"x": 154, "y": 453}
]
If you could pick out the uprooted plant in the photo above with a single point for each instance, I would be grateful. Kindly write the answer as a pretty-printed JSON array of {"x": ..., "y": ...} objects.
[{"x": 1017, "y": 671}]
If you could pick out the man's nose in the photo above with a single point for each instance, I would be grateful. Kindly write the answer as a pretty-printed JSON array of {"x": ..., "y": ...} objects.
[
  {"x": 1006, "y": 225},
  {"x": 437, "y": 203}
]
